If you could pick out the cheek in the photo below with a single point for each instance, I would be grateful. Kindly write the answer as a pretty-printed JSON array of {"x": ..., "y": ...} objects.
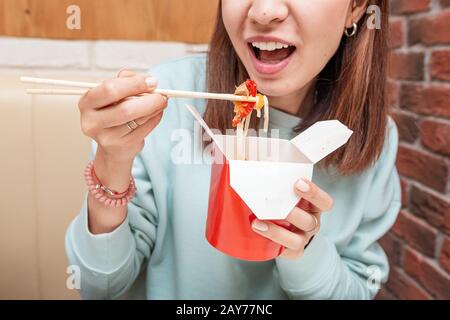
[
  {"x": 322, "y": 17},
  {"x": 322, "y": 29},
  {"x": 233, "y": 15}
]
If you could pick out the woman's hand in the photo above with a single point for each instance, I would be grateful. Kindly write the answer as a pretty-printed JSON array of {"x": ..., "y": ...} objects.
[
  {"x": 305, "y": 219},
  {"x": 106, "y": 109}
]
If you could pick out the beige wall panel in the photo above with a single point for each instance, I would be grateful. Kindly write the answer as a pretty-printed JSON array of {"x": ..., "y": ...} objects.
[{"x": 19, "y": 263}]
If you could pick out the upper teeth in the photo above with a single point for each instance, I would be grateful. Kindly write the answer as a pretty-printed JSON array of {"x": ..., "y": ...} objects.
[{"x": 269, "y": 46}]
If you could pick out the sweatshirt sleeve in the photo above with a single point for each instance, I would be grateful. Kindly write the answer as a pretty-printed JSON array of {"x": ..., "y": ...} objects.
[
  {"x": 109, "y": 263},
  {"x": 357, "y": 271}
]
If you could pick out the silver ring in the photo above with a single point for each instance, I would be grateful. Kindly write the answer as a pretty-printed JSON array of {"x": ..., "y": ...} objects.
[
  {"x": 315, "y": 225},
  {"x": 132, "y": 125}
]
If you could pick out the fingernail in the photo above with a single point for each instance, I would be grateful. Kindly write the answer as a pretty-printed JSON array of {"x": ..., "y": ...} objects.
[
  {"x": 150, "y": 81},
  {"x": 302, "y": 186},
  {"x": 260, "y": 226}
]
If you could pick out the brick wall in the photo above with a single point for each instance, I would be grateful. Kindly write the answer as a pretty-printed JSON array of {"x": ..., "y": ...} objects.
[{"x": 419, "y": 93}]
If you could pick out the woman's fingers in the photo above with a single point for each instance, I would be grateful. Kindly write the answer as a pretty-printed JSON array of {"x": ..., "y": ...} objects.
[
  {"x": 280, "y": 235},
  {"x": 313, "y": 194},
  {"x": 303, "y": 220},
  {"x": 130, "y": 109},
  {"x": 124, "y": 73},
  {"x": 122, "y": 130},
  {"x": 116, "y": 89},
  {"x": 143, "y": 130},
  {"x": 307, "y": 223}
]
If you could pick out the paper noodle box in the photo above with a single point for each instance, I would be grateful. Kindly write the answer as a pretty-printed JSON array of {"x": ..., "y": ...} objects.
[{"x": 262, "y": 186}]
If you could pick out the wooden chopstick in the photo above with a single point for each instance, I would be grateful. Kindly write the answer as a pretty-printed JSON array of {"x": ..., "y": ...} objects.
[
  {"x": 89, "y": 85},
  {"x": 63, "y": 83},
  {"x": 67, "y": 92}
]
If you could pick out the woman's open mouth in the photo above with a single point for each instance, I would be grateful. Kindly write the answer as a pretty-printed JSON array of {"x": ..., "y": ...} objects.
[{"x": 270, "y": 57}]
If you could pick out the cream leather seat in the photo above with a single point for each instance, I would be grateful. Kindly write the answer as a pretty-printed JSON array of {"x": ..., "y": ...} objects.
[{"x": 43, "y": 154}]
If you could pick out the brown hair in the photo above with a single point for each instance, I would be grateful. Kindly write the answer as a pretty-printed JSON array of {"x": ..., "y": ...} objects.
[{"x": 350, "y": 89}]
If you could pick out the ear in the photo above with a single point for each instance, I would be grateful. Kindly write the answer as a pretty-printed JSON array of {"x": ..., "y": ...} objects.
[{"x": 356, "y": 10}]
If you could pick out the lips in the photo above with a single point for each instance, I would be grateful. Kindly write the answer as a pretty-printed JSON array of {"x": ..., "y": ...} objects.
[{"x": 270, "y": 55}]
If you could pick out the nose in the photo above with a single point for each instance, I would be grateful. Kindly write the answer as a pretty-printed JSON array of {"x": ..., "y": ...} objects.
[{"x": 265, "y": 12}]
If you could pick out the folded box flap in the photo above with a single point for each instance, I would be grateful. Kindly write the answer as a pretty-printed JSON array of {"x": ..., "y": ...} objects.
[
  {"x": 321, "y": 139},
  {"x": 267, "y": 188}
]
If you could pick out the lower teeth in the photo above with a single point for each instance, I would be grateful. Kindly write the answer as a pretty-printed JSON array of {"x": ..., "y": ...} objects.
[{"x": 274, "y": 60}]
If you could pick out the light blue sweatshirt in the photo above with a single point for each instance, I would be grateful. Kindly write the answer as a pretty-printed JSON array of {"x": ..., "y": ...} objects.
[{"x": 160, "y": 251}]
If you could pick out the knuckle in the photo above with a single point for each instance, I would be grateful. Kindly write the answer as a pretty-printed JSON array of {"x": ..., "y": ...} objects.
[
  {"x": 313, "y": 225},
  {"x": 314, "y": 192},
  {"x": 157, "y": 100},
  {"x": 81, "y": 103},
  {"x": 330, "y": 204},
  {"x": 140, "y": 85},
  {"x": 296, "y": 211},
  {"x": 162, "y": 99},
  {"x": 297, "y": 243},
  {"x": 126, "y": 112},
  {"x": 86, "y": 101},
  {"x": 293, "y": 214},
  {"x": 87, "y": 128},
  {"x": 109, "y": 88}
]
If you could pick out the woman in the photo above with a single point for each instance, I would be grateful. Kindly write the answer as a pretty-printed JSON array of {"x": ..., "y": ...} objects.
[{"x": 314, "y": 60}]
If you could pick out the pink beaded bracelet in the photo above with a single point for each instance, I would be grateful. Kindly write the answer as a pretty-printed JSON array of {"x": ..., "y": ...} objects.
[{"x": 104, "y": 194}]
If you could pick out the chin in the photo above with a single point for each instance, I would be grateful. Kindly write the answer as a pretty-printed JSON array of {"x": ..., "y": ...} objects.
[{"x": 279, "y": 86}]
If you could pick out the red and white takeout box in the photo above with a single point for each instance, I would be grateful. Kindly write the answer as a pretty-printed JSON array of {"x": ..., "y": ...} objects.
[{"x": 262, "y": 186}]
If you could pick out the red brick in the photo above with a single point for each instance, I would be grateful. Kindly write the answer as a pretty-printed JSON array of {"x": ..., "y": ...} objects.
[
  {"x": 435, "y": 135},
  {"x": 404, "y": 287},
  {"x": 392, "y": 94},
  {"x": 434, "y": 280},
  {"x": 430, "y": 30},
  {"x": 396, "y": 33},
  {"x": 440, "y": 65},
  {"x": 393, "y": 247},
  {"x": 415, "y": 232},
  {"x": 447, "y": 222},
  {"x": 428, "y": 100},
  {"x": 432, "y": 208},
  {"x": 445, "y": 3},
  {"x": 406, "y": 66},
  {"x": 385, "y": 294},
  {"x": 405, "y": 192},
  {"x": 409, "y": 6},
  {"x": 444, "y": 257},
  {"x": 407, "y": 126},
  {"x": 428, "y": 169}
]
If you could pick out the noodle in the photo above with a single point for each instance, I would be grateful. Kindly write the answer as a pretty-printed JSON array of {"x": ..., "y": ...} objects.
[{"x": 243, "y": 112}]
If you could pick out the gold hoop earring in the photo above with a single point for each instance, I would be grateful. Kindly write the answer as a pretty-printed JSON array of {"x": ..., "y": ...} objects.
[{"x": 354, "y": 30}]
